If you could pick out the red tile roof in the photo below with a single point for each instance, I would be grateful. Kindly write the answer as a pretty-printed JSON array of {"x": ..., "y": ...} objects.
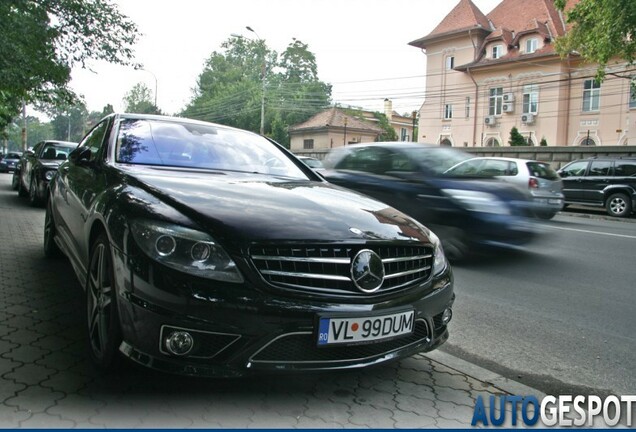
[{"x": 334, "y": 117}]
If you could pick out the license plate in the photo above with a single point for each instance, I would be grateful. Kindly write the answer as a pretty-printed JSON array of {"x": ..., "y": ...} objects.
[{"x": 355, "y": 330}]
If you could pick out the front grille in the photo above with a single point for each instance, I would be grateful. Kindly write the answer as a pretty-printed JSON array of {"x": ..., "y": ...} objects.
[
  {"x": 327, "y": 268},
  {"x": 302, "y": 348}
]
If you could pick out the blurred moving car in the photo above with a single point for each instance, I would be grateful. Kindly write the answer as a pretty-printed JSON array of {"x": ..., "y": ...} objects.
[
  {"x": 467, "y": 213},
  {"x": 9, "y": 161},
  {"x": 539, "y": 178},
  {"x": 601, "y": 182},
  {"x": 37, "y": 167},
  {"x": 312, "y": 163},
  {"x": 207, "y": 250}
]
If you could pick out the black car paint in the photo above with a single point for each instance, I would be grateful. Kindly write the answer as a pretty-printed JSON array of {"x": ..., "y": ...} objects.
[{"x": 239, "y": 210}]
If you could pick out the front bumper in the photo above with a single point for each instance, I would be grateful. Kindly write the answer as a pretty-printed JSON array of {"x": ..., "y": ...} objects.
[{"x": 242, "y": 330}]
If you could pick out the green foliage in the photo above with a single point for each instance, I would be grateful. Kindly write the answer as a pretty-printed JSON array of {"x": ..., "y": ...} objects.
[
  {"x": 389, "y": 133},
  {"x": 230, "y": 88},
  {"x": 516, "y": 139},
  {"x": 602, "y": 30},
  {"x": 139, "y": 99},
  {"x": 36, "y": 132},
  {"x": 41, "y": 40},
  {"x": 70, "y": 123},
  {"x": 543, "y": 142}
]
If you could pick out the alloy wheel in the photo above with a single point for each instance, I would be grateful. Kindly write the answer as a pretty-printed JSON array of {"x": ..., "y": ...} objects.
[{"x": 99, "y": 301}]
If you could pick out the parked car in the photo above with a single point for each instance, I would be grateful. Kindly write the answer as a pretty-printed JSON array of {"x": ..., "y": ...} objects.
[
  {"x": 312, "y": 163},
  {"x": 38, "y": 166},
  {"x": 207, "y": 250},
  {"x": 468, "y": 213},
  {"x": 9, "y": 161},
  {"x": 539, "y": 178},
  {"x": 601, "y": 182}
]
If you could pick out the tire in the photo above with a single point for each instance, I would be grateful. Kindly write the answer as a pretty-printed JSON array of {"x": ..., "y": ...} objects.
[
  {"x": 618, "y": 205},
  {"x": 15, "y": 180},
  {"x": 22, "y": 192},
  {"x": 51, "y": 250},
  {"x": 104, "y": 330},
  {"x": 34, "y": 197},
  {"x": 547, "y": 215}
]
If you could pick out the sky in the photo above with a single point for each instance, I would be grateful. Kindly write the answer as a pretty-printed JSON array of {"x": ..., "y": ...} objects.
[{"x": 361, "y": 46}]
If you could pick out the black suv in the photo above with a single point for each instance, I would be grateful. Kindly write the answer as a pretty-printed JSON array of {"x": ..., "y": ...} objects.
[{"x": 601, "y": 182}]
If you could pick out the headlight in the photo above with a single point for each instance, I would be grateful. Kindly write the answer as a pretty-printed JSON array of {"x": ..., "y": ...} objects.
[
  {"x": 48, "y": 175},
  {"x": 185, "y": 249},
  {"x": 439, "y": 258},
  {"x": 478, "y": 201}
]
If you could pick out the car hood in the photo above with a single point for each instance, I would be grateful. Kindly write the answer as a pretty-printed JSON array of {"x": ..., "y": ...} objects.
[{"x": 255, "y": 207}]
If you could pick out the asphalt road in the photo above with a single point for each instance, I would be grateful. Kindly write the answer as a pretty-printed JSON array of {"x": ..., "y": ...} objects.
[{"x": 561, "y": 316}]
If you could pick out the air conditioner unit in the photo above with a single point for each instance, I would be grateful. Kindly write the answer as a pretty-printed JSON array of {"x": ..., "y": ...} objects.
[
  {"x": 508, "y": 97},
  {"x": 509, "y": 107},
  {"x": 490, "y": 120},
  {"x": 527, "y": 118}
]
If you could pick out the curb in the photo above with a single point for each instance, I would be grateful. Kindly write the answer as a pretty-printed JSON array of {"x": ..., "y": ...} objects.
[{"x": 484, "y": 375}]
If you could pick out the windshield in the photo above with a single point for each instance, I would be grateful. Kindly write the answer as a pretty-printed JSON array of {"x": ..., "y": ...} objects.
[
  {"x": 56, "y": 151},
  {"x": 202, "y": 146},
  {"x": 437, "y": 159},
  {"x": 542, "y": 170}
]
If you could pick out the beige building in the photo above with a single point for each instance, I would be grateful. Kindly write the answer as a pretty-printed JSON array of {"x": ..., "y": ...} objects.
[
  {"x": 331, "y": 128},
  {"x": 489, "y": 73}
]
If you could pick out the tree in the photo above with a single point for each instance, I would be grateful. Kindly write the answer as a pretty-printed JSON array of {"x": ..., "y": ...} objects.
[
  {"x": 41, "y": 40},
  {"x": 601, "y": 30},
  {"x": 229, "y": 89},
  {"x": 70, "y": 122},
  {"x": 543, "y": 142},
  {"x": 139, "y": 100},
  {"x": 37, "y": 131},
  {"x": 389, "y": 133},
  {"x": 516, "y": 139}
]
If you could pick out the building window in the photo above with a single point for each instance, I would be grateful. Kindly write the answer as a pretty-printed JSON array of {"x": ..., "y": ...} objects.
[
  {"x": 497, "y": 51},
  {"x": 448, "y": 111},
  {"x": 588, "y": 142},
  {"x": 492, "y": 142},
  {"x": 404, "y": 136},
  {"x": 308, "y": 144},
  {"x": 450, "y": 62},
  {"x": 467, "y": 108},
  {"x": 530, "y": 99},
  {"x": 632, "y": 92},
  {"x": 446, "y": 143},
  {"x": 591, "y": 95},
  {"x": 532, "y": 45},
  {"x": 495, "y": 101}
]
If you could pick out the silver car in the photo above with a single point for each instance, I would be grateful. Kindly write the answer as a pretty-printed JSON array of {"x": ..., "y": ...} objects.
[{"x": 538, "y": 178}]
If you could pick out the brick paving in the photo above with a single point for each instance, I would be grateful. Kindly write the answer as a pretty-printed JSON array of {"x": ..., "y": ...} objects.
[{"x": 47, "y": 380}]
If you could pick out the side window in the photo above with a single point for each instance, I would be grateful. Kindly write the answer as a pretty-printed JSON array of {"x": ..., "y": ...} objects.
[
  {"x": 600, "y": 168},
  {"x": 95, "y": 140},
  {"x": 575, "y": 169},
  {"x": 494, "y": 168},
  {"x": 400, "y": 162},
  {"x": 372, "y": 160},
  {"x": 625, "y": 168}
]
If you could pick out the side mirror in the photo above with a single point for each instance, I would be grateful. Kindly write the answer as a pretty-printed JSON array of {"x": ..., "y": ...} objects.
[
  {"x": 80, "y": 156},
  {"x": 562, "y": 174}
]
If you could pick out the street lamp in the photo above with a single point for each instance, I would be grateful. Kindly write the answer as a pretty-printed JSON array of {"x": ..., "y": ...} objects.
[
  {"x": 263, "y": 67},
  {"x": 155, "y": 77}
]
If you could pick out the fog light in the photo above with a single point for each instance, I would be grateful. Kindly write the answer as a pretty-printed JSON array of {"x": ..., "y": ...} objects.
[
  {"x": 446, "y": 316},
  {"x": 179, "y": 343}
]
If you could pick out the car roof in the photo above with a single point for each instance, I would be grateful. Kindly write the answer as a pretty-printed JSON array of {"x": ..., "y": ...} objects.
[
  {"x": 60, "y": 142},
  {"x": 391, "y": 144},
  {"x": 509, "y": 159}
]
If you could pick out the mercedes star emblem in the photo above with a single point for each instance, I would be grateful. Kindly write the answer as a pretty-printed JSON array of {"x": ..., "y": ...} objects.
[{"x": 367, "y": 271}]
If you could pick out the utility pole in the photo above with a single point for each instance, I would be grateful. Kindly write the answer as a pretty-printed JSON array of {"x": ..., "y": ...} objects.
[
  {"x": 414, "y": 118},
  {"x": 344, "y": 140}
]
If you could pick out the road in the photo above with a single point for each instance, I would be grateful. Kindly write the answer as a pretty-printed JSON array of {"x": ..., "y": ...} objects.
[{"x": 560, "y": 317}]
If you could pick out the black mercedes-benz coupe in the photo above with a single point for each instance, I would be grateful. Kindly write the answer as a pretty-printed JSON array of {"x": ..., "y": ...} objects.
[{"x": 212, "y": 251}]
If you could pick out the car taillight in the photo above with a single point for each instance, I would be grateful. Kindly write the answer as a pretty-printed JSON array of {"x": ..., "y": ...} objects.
[{"x": 533, "y": 183}]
